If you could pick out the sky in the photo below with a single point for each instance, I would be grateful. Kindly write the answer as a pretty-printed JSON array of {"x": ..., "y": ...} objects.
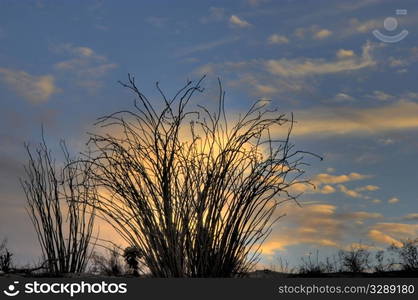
[{"x": 354, "y": 97}]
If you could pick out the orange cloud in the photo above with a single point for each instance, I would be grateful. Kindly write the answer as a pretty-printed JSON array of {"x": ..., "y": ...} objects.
[
  {"x": 383, "y": 238},
  {"x": 399, "y": 115},
  {"x": 393, "y": 233},
  {"x": 315, "y": 224}
]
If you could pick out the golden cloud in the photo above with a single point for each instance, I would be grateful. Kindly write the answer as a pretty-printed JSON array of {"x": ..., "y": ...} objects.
[
  {"x": 315, "y": 224},
  {"x": 306, "y": 67},
  {"x": 324, "y": 178},
  {"x": 343, "y": 53},
  {"x": 36, "y": 89},
  {"x": 393, "y": 200},
  {"x": 393, "y": 233},
  {"x": 324, "y": 121}
]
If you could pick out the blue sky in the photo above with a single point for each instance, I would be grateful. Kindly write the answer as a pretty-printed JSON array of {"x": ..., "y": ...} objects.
[{"x": 355, "y": 98}]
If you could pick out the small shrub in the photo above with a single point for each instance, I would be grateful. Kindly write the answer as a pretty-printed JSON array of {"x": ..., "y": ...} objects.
[
  {"x": 382, "y": 264},
  {"x": 132, "y": 255},
  {"x": 5, "y": 257},
  {"x": 355, "y": 260},
  {"x": 407, "y": 254},
  {"x": 110, "y": 265},
  {"x": 312, "y": 266}
]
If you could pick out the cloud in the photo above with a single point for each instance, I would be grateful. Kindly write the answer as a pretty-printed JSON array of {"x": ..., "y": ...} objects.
[
  {"x": 216, "y": 14},
  {"x": 392, "y": 233},
  {"x": 325, "y": 121},
  {"x": 278, "y": 39},
  {"x": 356, "y": 26},
  {"x": 327, "y": 189},
  {"x": 208, "y": 46},
  {"x": 411, "y": 217},
  {"x": 308, "y": 67},
  {"x": 312, "y": 224},
  {"x": 257, "y": 2},
  {"x": 314, "y": 32},
  {"x": 155, "y": 21},
  {"x": 370, "y": 188},
  {"x": 325, "y": 178},
  {"x": 342, "y": 53},
  {"x": 393, "y": 200},
  {"x": 291, "y": 77},
  {"x": 35, "y": 89},
  {"x": 84, "y": 65},
  {"x": 322, "y": 34},
  {"x": 342, "y": 97},
  {"x": 357, "y": 192},
  {"x": 328, "y": 184},
  {"x": 266, "y": 89},
  {"x": 362, "y": 215},
  {"x": 238, "y": 22},
  {"x": 382, "y": 96},
  {"x": 316, "y": 224},
  {"x": 348, "y": 192},
  {"x": 383, "y": 238},
  {"x": 323, "y": 184}
]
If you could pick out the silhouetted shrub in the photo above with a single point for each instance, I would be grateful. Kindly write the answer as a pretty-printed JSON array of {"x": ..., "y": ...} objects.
[
  {"x": 312, "y": 266},
  {"x": 132, "y": 256},
  {"x": 193, "y": 190},
  {"x": 5, "y": 257},
  {"x": 57, "y": 199},
  {"x": 110, "y": 265},
  {"x": 407, "y": 254},
  {"x": 355, "y": 260}
]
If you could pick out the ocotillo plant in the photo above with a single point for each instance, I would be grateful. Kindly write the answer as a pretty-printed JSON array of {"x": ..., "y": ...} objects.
[
  {"x": 193, "y": 189},
  {"x": 58, "y": 201}
]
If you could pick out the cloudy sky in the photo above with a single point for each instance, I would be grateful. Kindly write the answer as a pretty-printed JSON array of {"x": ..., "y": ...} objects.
[{"x": 355, "y": 97}]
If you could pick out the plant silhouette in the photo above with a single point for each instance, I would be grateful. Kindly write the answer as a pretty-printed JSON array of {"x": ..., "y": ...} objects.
[
  {"x": 192, "y": 189},
  {"x": 59, "y": 207}
]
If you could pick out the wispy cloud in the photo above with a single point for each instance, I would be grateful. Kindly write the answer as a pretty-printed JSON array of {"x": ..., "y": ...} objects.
[
  {"x": 322, "y": 34},
  {"x": 324, "y": 178},
  {"x": 410, "y": 217},
  {"x": 207, "y": 46},
  {"x": 35, "y": 89},
  {"x": 343, "y": 53},
  {"x": 288, "y": 76},
  {"x": 236, "y": 21},
  {"x": 257, "y": 2},
  {"x": 86, "y": 66},
  {"x": 155, "y": 21},
  {"x": 393, "y": 200},
  {"x": 316, "y": 224},
  {"x": 308, "y": 67},
  {"x": 277, "y": 39},
  {"x": 314, "y": 32},
  {"x": 392, "y": 233},
  {"x": 216, "y": 14},
  {"x": 324, "y": 183},
  {"x": 399, "y": 115}
]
